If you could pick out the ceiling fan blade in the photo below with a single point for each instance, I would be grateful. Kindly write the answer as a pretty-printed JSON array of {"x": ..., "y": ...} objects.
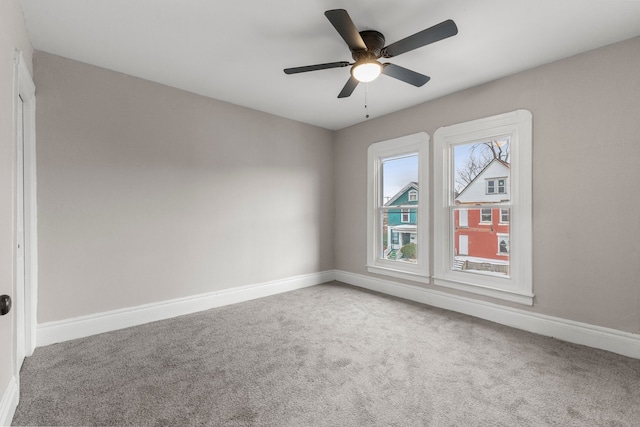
[
  {"x": 348, "y": 89},
  {"x": 404, "y": 74},
  {"x": 342, "y": 22},
  {"x": 433, "y": 34},
  {"x": 306, "y": 68}
]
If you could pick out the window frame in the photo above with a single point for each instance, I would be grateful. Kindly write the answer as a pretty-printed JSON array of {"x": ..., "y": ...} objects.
[
  {"x": 404, "y": 212},
  {"x": 490, "y": 221},
  {"x": 501, "y": 235},
  {"x": 518, "y": 286},
  {"x": 502, "y": 221},
  {"x": 504, "y": 185},
  {"x": 417, "y": 143},
  {"x": 491, "y": 186}
]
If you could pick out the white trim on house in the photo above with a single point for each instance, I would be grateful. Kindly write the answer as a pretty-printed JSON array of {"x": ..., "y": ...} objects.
[
  {"x": 78, "y": 327},
  {"x": 624, "y": 343},
  {"x": 9, "y": 402}
]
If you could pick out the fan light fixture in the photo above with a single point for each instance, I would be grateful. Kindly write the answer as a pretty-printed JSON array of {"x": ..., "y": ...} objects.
[
  {"x": 366, "y": 71},
  {"x": 368, "y": 46}
]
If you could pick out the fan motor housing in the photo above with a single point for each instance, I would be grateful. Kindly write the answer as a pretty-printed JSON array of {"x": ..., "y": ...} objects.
[{"x": 374, "y": 41}]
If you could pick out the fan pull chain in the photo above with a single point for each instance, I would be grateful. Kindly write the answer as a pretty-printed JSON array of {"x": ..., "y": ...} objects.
[{"x": 366, "y": 107}]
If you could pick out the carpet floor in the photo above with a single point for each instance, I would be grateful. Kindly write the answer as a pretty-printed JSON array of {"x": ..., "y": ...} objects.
[{"x": 329, "y": 355}]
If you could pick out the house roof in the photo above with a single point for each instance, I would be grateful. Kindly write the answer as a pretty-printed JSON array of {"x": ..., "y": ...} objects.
[
  {"x": 508, "y": 165},
  {"x": 406, "y": 188}
]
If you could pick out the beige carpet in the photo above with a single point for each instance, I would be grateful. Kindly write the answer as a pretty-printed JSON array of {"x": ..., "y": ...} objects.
[{"x": 330, "y": 355}]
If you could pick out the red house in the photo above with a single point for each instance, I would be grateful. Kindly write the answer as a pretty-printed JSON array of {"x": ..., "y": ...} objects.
[{"x": 481, "y": 234}]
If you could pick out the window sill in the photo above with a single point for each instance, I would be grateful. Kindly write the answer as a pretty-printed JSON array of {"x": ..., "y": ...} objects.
[
  {"x": 513, "y": 296},
  {"x": 399, "y": 274}
]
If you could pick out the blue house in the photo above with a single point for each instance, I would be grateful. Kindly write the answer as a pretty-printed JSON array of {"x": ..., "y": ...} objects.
[{"x": 400, "y": 224}]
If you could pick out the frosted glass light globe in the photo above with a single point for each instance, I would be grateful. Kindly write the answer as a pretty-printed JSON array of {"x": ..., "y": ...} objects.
[{"x": 367, "y": 71}]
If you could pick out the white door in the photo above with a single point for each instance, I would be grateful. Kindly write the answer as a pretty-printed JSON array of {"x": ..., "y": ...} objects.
[
  {"x": 463, "y": 244},
  {"x": 18, "y": 303}
]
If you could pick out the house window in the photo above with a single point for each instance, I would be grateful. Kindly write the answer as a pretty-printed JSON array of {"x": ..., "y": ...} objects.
[
  {"x": 485, "y": 215},
  {"x": 503, "y": 244},
  {"x": 501, "y": 186},
  {"x": 463, "y": 218},
  {"x": 491, "y": 186},
  {"x": 504, "y": 216},
  {"x": 395, "y": 237},
  {"x": 397, "y": 220},
  {"x": 486, "y": 164},
  {"x": 497, "y": 186}
]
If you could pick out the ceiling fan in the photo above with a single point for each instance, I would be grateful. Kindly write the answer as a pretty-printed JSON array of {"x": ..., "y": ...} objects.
[{"x": 368, "y": 46}]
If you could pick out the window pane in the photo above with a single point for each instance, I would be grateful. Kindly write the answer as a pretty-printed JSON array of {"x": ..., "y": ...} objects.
[
  {"x": 399, "y": 239},
  {"x": 482, "y": 171},
  {"x": 504, "y": 215},
  {"x": 399, "y": 178},
  {"x": 485, "y": 215},
  {"x": 479, "y": 247},
  {"x": 400, "y": 226}
]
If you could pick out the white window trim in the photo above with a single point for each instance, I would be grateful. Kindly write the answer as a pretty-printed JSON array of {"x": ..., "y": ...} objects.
[
  {"x": 482, "y": 222},
  {"x": 499, "y": 235},
  {"x": 518, "y": 287},
  {"x": 466, "y": 216},
  {"x": 413, "y": 196},
  {"x": 502, "y": 221},
  {"x": 504, "y": 185},
  {"x": 493, "y": 182},
  {"x": 404, "y": 212},
  {"x": 416, "y": 143}
]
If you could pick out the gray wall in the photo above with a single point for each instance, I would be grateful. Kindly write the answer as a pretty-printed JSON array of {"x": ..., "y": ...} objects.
[
  {"x": 147, "y": 193},
  {"x": 13, "y": 35},
  {"x": 586, "y": 183}
]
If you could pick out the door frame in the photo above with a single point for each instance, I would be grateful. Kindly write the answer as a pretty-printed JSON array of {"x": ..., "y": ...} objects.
[{"x": 24, "y": 88}]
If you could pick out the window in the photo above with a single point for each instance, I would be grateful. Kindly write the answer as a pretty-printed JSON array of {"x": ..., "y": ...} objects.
[
  {"x": 485, "y": 215},
  {"x": 503, "y": 244},
  {"x": 499, "y": 184},
  {"x": 485, "y": 168},
  {"x": 394, "y": 237},
  {"x": 463, "y": 218},
  {"x": 504, "y": 216},
  {"x": 491, "y": 186},
  {"x": 397, "y": 220}
]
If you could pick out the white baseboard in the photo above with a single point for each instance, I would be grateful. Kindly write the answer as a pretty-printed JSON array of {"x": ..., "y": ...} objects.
[
  {"x": 620, "y": 342},
  {"x": 79, "y": 327},
  {"x": 9, "y": 402}
]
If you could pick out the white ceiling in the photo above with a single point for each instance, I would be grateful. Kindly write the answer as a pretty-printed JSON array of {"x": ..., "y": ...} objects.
[{"x": 235, "y": 51}]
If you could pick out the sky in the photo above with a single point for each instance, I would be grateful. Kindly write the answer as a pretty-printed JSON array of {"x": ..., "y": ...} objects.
[{"x": 397, "y": 173}]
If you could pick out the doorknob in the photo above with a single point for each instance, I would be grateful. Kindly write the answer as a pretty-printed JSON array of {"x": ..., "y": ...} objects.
[{"x": 5, "y": 304}]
